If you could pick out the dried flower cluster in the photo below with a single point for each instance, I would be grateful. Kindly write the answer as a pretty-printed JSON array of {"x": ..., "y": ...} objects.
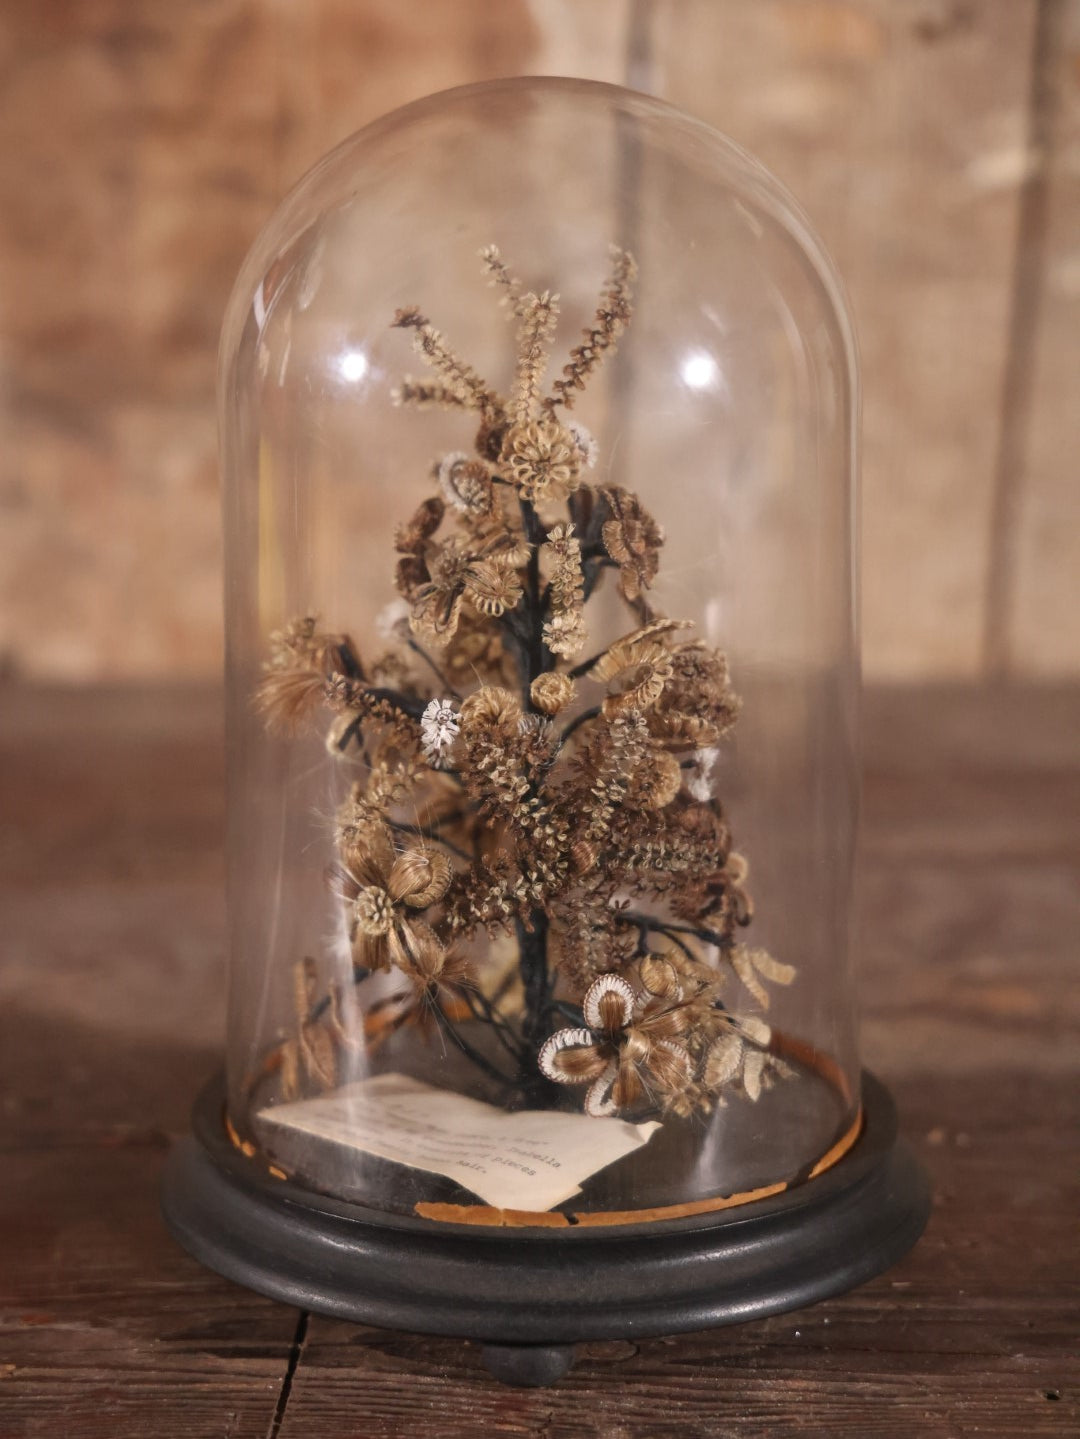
[{"x": 500, "y": 783}]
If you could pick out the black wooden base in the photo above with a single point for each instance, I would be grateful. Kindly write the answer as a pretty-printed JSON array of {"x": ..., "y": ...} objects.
[{"x": 529, "y": 1294}]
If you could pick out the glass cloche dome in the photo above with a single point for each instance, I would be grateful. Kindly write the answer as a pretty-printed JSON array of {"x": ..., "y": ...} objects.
[{"x": 538, "y": 406}]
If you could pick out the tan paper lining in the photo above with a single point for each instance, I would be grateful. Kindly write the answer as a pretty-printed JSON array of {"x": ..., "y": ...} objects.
[{"x": 784, "y": 1045}]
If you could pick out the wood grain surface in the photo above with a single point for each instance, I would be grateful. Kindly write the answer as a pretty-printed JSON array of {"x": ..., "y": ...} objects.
[{"x": 111, "y": 994}]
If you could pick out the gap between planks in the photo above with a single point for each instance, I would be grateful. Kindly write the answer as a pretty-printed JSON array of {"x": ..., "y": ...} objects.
[{"x": 295, "y": 1354}]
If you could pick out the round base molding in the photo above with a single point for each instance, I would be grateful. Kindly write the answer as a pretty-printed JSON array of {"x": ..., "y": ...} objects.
[{"x": 528, "y": 1295}]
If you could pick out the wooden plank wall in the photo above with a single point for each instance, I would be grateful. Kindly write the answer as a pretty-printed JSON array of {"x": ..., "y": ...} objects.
[{"x": 934, "y": 142}]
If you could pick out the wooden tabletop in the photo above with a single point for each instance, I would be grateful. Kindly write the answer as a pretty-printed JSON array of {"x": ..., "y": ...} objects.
[{"x": 111, "y": 1005}]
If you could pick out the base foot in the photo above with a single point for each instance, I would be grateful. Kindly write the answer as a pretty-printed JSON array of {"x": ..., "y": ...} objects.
[{"x": 528, "y": 1366}]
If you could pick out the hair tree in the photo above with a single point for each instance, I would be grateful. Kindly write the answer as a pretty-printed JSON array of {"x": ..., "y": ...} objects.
[{"x": 512, "y": 777}]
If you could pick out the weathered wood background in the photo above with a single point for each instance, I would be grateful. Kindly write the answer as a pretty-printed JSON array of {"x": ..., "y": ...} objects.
[{"x": 935, "y": 142}]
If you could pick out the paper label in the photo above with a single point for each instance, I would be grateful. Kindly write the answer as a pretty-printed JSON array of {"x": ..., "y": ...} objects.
[{"x": 534, "y": 1159}]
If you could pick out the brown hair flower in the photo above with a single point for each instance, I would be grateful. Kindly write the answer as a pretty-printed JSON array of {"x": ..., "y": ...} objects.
[
  {"x": 543, "y": 459},
  {"x": 551, "y": 692},
  {"x": 466, "y": 483},
  {"x": 632, "y": 538},
  {"x": 636, "y": 668}
]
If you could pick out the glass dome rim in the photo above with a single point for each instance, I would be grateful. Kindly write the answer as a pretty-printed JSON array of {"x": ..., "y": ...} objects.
[{"x": 281, "y": 229}]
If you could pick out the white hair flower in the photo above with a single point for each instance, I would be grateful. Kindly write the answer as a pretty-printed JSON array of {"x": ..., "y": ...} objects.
[
  {"x": 392, "y": 621},
  {"x": 699, "y": 775},
  {"x": 584, "y": 441},
  {"x": 439, "y": 728}
]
